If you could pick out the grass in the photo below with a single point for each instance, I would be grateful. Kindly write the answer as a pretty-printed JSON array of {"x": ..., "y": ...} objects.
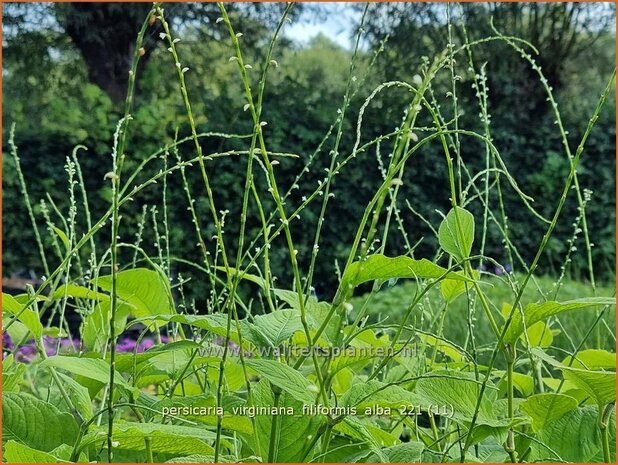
[{"x": 388, "y": 304}]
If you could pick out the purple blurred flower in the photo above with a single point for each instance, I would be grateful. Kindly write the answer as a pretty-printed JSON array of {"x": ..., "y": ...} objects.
[
  {"x": 7, "y": 342},
  {"x": 26, "y": 353}
]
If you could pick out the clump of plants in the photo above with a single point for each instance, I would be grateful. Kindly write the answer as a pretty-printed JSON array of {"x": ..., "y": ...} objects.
[{"x": 264, "y": 373}]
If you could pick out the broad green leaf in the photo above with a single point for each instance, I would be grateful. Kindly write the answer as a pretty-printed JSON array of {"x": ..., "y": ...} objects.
[
  {"x": 165, "y": 439},
  {"x": 186, "y": 408},
  {"x": 16, "y": 452},
  {"x": 91, "y": 368},
  {"x": 316, "y": 313},
  {"x": 217, "y": 323},
  {"x": 294, "y": 432},
  {"x": 542, "y": 311},
  {"x": 451, "y": 289},
  {"x": 593, "y": 359},
  {"x": 374, "y": 437},
  {"x": 147, "y": 291},
  {"x": 35, "y": 423},
  {"x": 278, "y": 326},
  {"x": 193, "y": 458},
  {"x": 575, "y": 437},
  {"x": 95, "y": 329},
  {"x": 600, "y": 385},
  {"x": 523, "y": 383},
  {"x": 79, "y": 395},
  {"x": 456, "y": 233},
  {"x": 409, "y": 452},
  {"x": 546, "y": 408},
  {"x": 125, "y": 362},
  {"x": 29, "y": 317},
  {"x": 539, "y": 335},
  {"x": 12, "y": 374},
  {"x": 447, "y": 348},
  {"x": 378, "y": 394},
  {"x": 79, "y": 292},
  {"x": 286, "y": 378},
  {"x": 460, "y": 391},
  {"x": 380, "y": 267}
]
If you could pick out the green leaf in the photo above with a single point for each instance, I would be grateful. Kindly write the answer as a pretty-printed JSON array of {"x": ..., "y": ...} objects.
[
  {"x": 20, "y": 453},
  {"x": 575, "y": 437},
  {"x": 600, "y": 385},
  {"x": 593, "y": 359},
  {"x": 29, "y": 317},
  {"x": 542, "y": 311},
  {"x": 125, "y": 362},
  {"x": 376, "y": 393},
  {"x": 35, "y": 423},
  {"x": 539, "y": 335},
  {"x": 316, "y": 313},
  {"x": 231, "y": 422},
  {"x": 381, "y": 267},
  {"x": 79, "y": 292},
  {"x": 95, "y": 329},
  {"x": 410, "y": 452},
  {"x": 286, "y": 378},
  {"x": 165, "y": 439},
  {"x": 91, "y": 368},
  {"x": 294, "y": 431},
  {"x": 63, "y": 237},
  {"x": 456, "y": 233},
  {"x": 451, "y": 289},
  {"x": 546, "y": 408},
  {"x": 246, "y": 276},
  {"x": 79, "y": 396},
  {"x": 147, "y": 291},
  {"x": 278, "y": 326},
  {"x": 193, "y": 458},
  {"x": 12, "y": 378},
  {"x": 460, "y": 391}
]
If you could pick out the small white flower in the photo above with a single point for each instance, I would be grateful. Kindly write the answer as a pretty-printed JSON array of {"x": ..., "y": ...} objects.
[
  {"x": 233, "y": 59},
  {"x": 248, "y": 67},
  {"x": 162, "y": 35},
  {"x": 219, "y": 19},
  {"x": 239, "y": 35}
]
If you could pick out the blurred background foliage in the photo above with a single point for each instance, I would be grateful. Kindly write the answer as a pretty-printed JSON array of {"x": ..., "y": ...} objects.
[{"x": 64, "y": 82}]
